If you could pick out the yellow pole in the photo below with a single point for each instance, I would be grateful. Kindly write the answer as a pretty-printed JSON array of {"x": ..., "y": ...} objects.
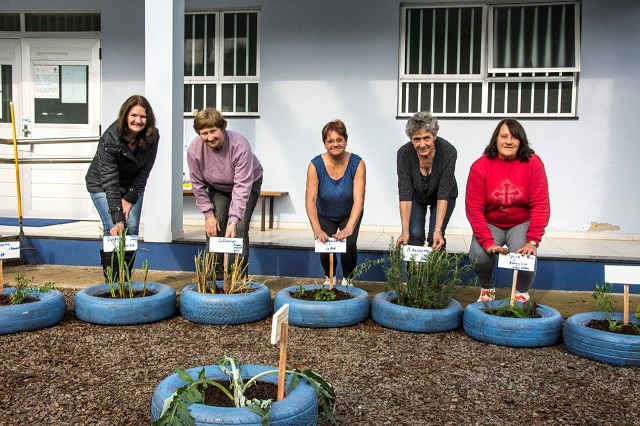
[{"x": 15, "y": 160}]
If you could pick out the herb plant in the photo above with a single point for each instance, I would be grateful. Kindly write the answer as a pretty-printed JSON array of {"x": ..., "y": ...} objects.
[
  {"x": 234, "y": 281},
  {"x": 427, "y": 285},
  {"x": 324, "y": 295},
  {"x": 602, "y": 295},
  {"x": 176, "y": 412},
  {"x": 120, "y": 286},
  {"x": 24, "y": 287},
  {"x": 528, "y": 309}
]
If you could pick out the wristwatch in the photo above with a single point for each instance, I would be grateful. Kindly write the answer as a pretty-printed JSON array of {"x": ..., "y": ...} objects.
[{"x": 533, "y": 243}]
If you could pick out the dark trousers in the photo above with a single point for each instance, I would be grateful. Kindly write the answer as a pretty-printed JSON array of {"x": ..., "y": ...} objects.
[{"x": 349, "y": 259}]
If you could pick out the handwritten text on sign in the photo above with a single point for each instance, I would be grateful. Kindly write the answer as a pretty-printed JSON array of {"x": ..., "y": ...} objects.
[
  {"x": 110, "y": 244},
  {"x": 517, "y": 261},
  {"x": 331, "y": 246},
  {"x": 225, "y": 245},
  {"x": 9, "y": 250},
  {"x": 416, "y": 253}
]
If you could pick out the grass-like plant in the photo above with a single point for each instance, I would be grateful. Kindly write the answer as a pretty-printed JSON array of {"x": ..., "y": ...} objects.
[
  {"x": 206, "y": 271},
  {"x": 24, "y": 287},
  {"x": 235, "y": 280},
  {"x": 175, "y": 411},
  {"x": 122, "y": 282},
  {"x": 427, "y": 285}
]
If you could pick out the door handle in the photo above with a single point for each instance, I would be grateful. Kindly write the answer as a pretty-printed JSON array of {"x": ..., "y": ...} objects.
[{"x": 25, "y": 131}]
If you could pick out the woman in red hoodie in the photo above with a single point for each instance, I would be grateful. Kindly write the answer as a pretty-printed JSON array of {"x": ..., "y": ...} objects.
[{"x": 507, "y": 203}]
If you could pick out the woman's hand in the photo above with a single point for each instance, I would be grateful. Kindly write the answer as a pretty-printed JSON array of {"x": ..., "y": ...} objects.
[
  {"x": 403, "y": 239},
  {"x": 126, "y": 208},
  {"x": 231, "y": 230},
  {"x": 527, "y": 250},
  {"x": 496, "y": 249},
  {"x": 211, "y": 226},
  {"x": 117, "y": 230},
  {"x": 438, "y": 240},
  {"x": 343, "y": 234},
  {"x": 320, "y": 235}
]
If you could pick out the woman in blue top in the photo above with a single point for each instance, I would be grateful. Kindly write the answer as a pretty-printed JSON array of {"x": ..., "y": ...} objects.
[{"x": 334, "y": 197}]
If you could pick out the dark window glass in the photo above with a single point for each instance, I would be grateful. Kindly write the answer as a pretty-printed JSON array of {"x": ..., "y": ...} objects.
[
  {"x": 9, "y": 22},
  {"x": 62, "y": 22}
]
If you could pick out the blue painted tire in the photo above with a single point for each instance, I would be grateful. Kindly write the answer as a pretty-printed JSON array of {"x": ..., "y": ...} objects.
[
  {"x": 207, "y": 308},
  {"x": 598, "y": 345},
  {"x": 312, "y": 314},
  {"x": 46, "y": 312},
  {"x": 137, "y": 310},
  {"x": 415, "y": 320},
  {"x": 514, "y": 332},
  {"x": 298, "y": 407}
]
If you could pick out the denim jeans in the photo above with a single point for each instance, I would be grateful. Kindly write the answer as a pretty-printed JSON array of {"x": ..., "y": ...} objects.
[
  {"x": 133, "y": 224},
  {"x": 418, "y": 218}
]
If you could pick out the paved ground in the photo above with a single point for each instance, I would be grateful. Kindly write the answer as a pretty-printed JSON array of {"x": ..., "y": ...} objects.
[{"x": 76, "y": 277}]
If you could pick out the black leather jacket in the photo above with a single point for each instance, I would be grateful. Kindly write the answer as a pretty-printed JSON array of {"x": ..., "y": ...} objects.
[{"x": 118, "y": 172}]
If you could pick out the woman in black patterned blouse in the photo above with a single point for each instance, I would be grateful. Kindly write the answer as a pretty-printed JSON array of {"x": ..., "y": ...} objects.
[{"x": 426, "y": 180}]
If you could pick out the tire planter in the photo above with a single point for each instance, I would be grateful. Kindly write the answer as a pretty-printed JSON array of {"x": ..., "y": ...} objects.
[
  {"x": 298, "y": 407},
  {"x": 598, "y": 345},
  {"x": 126, "y": 311},
  {"x": 415, "y": 320},
  {"x": 312, "y": 314},
  {"x": 514, "y": 332},
  {"x": 46, "y": 312},
  {"x": 220, "y": 308}
]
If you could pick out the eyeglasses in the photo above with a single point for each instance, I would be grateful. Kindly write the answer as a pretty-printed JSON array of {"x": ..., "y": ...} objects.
[{"x": 339, "y": 141}]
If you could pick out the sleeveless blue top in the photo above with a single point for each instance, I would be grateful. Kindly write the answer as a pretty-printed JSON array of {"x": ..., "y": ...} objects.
[{"x": 335, "y": 197}]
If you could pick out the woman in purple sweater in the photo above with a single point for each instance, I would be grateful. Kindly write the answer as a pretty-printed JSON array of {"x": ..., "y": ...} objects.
[{"x": 226, "y": 177}]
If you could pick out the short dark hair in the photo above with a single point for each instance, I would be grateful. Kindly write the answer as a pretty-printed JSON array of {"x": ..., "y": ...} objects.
[
  {"x": 517, "y": 131},
  {"x": 336, "y": 126},
  {"x": 149, "y": 134}
]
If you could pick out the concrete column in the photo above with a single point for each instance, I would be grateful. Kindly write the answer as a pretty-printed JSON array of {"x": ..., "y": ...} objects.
[{"x": 164, "y": 65}]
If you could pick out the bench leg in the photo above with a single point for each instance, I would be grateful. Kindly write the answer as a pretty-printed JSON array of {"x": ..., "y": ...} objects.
[
  {"x": 270, "y": 212},
  {"x": 263, "y": 212}
]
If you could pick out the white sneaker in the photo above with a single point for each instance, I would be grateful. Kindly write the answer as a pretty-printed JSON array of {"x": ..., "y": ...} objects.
[
  {"x": 522, "y": 297},
  {"x": 487, "y": 295},
  {"x": 327, "y": 282}
]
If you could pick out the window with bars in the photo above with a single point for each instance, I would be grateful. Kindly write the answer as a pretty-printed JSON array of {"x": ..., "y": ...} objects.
[
  {"x": 221, "y": 62},
  {"x": 490, "y": 60}
]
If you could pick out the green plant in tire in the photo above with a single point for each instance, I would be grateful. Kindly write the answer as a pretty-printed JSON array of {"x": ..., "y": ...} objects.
[
  {"x": 426, "y": 285},
  {"x": 175, "y": 411},
  {"x": 206, "y": 272},
  {"x": 324, "y": 295},
  {"x": 120, "y": 286},
  {"x": 24, "y": 287},
  {"x": 602, "y": 295},
  {"x": 528, "y": 309}
]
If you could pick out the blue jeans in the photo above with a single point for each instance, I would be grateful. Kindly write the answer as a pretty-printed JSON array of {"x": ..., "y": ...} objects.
[
  {"x": 133, "y": 224},
  {"x": 418, "y": 219}
]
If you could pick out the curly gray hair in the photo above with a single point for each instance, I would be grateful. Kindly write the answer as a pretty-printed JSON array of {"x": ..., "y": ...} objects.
[{"x": 422, "y": 120}]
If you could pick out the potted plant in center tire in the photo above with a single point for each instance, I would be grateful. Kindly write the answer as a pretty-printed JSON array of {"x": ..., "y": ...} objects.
[
  {"x": 603, "y": 335},
  {"x": 121, "y": 301},
  {"x": 420, "y": 295},
  {"x": 236, "y": 299},
  {"x": 329, "y": 305}
]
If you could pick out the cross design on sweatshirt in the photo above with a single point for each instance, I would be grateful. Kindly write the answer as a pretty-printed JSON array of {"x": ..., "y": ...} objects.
[{"x": 506, "y": 194}]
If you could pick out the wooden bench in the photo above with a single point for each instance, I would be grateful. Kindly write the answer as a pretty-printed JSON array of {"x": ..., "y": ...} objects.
[{"x": 271, "y": 195}]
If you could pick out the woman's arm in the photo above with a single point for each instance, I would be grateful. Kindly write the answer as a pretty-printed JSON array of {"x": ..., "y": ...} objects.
[
  {"x": 359, "y": 184},
  {"x": 310, "y": 197}
]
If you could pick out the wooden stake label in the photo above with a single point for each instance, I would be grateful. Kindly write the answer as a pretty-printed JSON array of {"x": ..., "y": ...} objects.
[
  {"x": 622, "y": 274},
  {"x": 416, "y": 253},
  {"x": 331, "y": 246},
  {"x": 110, "y": 243},
  {"x": 225, "y": 245},
  {"x": 9, "y": 249},
  {"x": 279, "y": 318},
  {"x": 517, "y": 262}
]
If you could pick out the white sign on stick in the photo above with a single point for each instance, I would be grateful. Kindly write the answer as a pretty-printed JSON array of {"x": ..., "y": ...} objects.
[
  {"x": 416, "y": 253},
  {"x": 279, "y": 318},
  {"x": 9, "y": 249},
  {"x": 331, "y": 246},
  {"x": 517, "y": 261},
  {"x": 110, "y": 243},
  {"x": 622, "y": 274},
  {"x": 225, "y": 245}
]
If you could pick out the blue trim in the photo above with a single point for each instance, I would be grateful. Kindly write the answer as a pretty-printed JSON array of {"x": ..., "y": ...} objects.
[{"x": 553, "y": 274}]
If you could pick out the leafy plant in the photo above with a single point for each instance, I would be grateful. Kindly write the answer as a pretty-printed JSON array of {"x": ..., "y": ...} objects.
[
  {"x": 602, "y": 295},
  {"x": 125, "y": 269},
  {"x": 175, "y": 411},
  {"x": 427, "y": 285},
  {"x": 361, "y": 269},
  {"x": 299, "y": 293},
  {"x": 324, "y": 295},
  {"x": 24, "y": 287},
  {"x": 528, "y": 309}
]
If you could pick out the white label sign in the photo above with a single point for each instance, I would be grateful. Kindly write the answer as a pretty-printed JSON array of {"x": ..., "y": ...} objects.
[
  {"x": 110, "y": 243},
  {"x": 9, "y": 249},
  {"x": 279, "y": 318},
  {"x": 331, "y": 246},
  {"x": 517, "y": 261},
  {"x": 225, "y": 245},
  {"x": 622, "y": 274},
  {"x": 416, "y": 253}
]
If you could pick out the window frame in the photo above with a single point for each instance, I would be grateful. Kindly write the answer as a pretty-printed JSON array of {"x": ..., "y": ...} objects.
[
  {"x": 488, "y": 76},
  {"x": 218, "y": 79}
]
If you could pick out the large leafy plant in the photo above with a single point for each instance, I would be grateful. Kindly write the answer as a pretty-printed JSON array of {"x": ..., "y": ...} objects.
[
  {"x": 176, "y": 412},
  {"x": 430, "y": 284},
  {"x": 25, "y": 288}
]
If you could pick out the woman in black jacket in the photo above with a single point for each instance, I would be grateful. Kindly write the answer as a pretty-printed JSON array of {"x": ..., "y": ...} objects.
[{"x": 118, "y": 174}]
